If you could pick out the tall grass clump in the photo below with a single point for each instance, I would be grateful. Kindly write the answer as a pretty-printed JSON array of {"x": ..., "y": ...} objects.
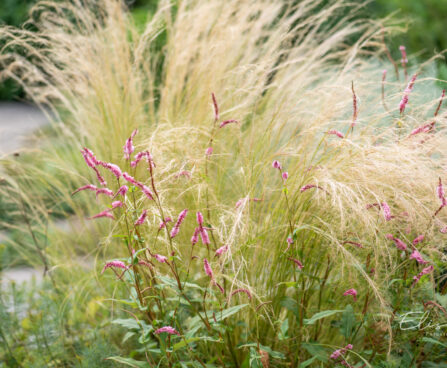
[{"x": 268, "y": 194}]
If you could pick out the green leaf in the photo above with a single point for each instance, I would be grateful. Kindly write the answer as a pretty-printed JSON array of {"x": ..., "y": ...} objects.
[
  {"x": 185, "y": 342},
  {"x": 272, "y": 353},
  {"x": 321, "y": 315},
  {"x": 307, "y": 362},
  {"x": 316, "y": 351},
  {"x": 128, "y": 323},
  {"x": 129, "y": 362},
  {"x": 127, "y": 336},
  {"x": 433, "y": 341},
  {"x": 290, "y": 304},
  {"x": 347, "y": 321},
  {"x": 220, "y": 316}
]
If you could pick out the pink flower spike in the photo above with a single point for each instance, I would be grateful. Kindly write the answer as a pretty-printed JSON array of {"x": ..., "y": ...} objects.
[
  {"x": 221, "y": 250},
  {"x": 386, "y": 211},
  {"x": 130, "y": 179},
  {"x": 215, "y": 106},
  {"x": 443, "y": 230},
  {"x": 358, "y": 245},
  {"x": 105, "y": 191},
  {"x": 389, "y": 236},
  {"x": 404, "y": 59},
  {"x": 121, "y": 191},
  {"x": 208, "y": 269},
  {"x": 113, "y": 168},
  {"x": 418, "y": 257},
  {"x": 160, "y": 258},
  {"x": 99, "y": 176},
  {"x": 399, "y": 243},
  {"x": 309, "y": 186},
  {"x": 418, "y": 239},
  {"x": 116, "y": 204},
  {"x": 407, "y": 92},
  {"x": 425, "y": 271},
  {"x": 383, "y": 75},
  {"x": 285, "y": 175},
  {"x": 180, "y": 219},
  {"x": 89, "y": 157},
  {"x": 338, "y": 353},
  {"x": 297, "y": 262},
  {"x": 184, "y": 173},
  {"x": 199, "y": 218},
  {"x": 204, "y": 236},
  {"x": 422, "y": 129},
  {"x": 336, "y": 132},
  {"x": 141, "y": 219},
  {"x": 226, "y": 122},
  {"x": 85, "y": 187},
  {"x": 147, "y": 192},
  {"x": 239, "y": 202},
  {"x": 441, "y": 193},
  {"x": 163, "y": 223},
  {"x": 105, "y": 213},
  {"x": 209, "y": 151},
  {"x": 245, "y": 291},
  {"x": 276, "y": 165},
  {"x": 128, "y": 146},
  {"x": 352, "y": 292},
  {"x": 115, "y": 264},
  {"x": 195, "y": 236},
  {"x": 168, "y": 329}
]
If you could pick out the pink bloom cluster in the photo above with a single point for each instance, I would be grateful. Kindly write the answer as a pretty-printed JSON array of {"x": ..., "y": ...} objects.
[
  {"x": 200, "y": 230},
  {"x": 352, "y": 292},
  {"x": 338, "y": 355},
  {"x": 425, "y": 271},
  {"x": 168, "y": 329},
  {"x": 399, "y": 243},
  {"x": 114, "y": 264}
]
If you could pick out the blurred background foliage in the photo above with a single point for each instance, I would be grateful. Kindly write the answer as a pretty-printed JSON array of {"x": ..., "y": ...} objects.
[{"x": 425, "y": 35}]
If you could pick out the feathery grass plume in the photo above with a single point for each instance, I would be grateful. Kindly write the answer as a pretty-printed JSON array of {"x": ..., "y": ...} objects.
[{"x": 284, "y": 70}]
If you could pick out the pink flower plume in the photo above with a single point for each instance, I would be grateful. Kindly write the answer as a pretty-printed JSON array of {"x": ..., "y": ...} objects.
[
  {"x": 105, "y": 213},
  {"x": 160, "y": 258},
  {"x": 297, "y": 262},
  {"x": 176, "y": 228},
  {"x": 208, "y": 269},
  {"x": 221, "y": 250},
  {"x": 425, "y": 271},
  {"x": 142, "y": 218},
  {"x": 226, "y": 122},
  {"x": 215, "y": 107},
  {"x": 114, "y": 264},
  {"x": 85, "y": 187},
  {"x": 404, "y": 101},
  {"x": 336, "y": 132}
]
